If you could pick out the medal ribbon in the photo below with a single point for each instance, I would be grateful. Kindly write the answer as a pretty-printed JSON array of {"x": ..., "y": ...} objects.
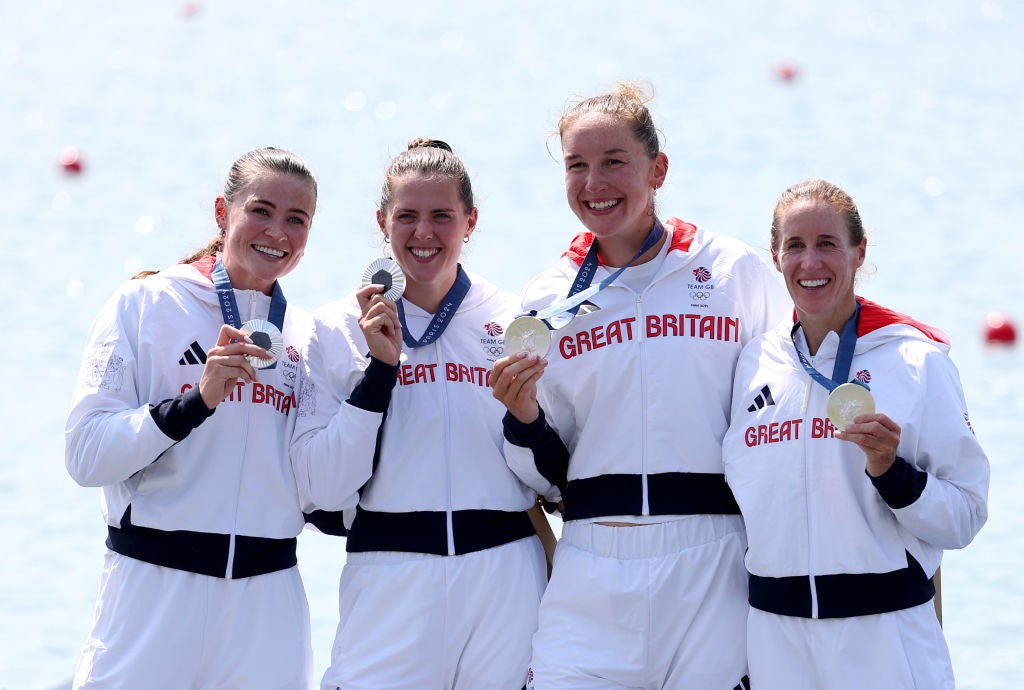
[
  {"x": 229, "y": 308},
  {"x": 582, "y": 290},
  {"x": 844, "y": 356},
  {"x": 450, "y": 305}
]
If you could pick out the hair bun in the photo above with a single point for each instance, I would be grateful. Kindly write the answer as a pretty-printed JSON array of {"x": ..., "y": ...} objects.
[{"x": 429, "y": 144}]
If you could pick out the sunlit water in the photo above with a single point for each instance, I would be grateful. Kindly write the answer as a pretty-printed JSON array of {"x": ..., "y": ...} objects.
[{"x": 916, "y": 112}]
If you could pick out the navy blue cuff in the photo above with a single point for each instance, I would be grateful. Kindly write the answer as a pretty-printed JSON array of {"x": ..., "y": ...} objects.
[
  {"x": 373, "y": 393},
  {"x": 901, "y": 484},
  {"x": 178, "y": 416},
  {"x": 525, "y": 434},
  {"x": 550, "y": 455}
]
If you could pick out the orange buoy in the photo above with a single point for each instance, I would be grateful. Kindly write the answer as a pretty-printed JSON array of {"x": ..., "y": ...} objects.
[
  {"x": 70, "y": 161},
  {"x": 999, "y": 329}
]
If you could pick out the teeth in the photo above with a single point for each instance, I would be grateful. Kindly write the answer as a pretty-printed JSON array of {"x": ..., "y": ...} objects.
[
  {"x": 423, "y": 253},
  {"x": 813, "y": 283},
  {"x": 602, "y": 205},
  {"x": 268, "y": 250}
]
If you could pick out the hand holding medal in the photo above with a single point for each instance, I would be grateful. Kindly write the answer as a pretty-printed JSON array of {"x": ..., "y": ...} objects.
[{"x": 379, "y": 320}]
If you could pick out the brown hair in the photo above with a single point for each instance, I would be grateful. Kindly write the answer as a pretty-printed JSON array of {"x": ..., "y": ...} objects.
[
  {"x": 242, "y": 172},
  {"x": 819, "y": 190},
  {"x": 427, "y": 156}
]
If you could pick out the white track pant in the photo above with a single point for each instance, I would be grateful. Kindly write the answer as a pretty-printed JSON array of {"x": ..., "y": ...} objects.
[{"x": 164, "y": 629}]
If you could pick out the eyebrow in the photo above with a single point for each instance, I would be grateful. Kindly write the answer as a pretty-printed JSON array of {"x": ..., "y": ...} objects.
[
  {"x": 403, "y": 209},
  {"x": 272, "y": 205},
  {"x": 607, "y": 152}
]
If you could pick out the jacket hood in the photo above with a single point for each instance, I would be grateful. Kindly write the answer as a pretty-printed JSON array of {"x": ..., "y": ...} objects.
[{"x": 681, "y": 236}]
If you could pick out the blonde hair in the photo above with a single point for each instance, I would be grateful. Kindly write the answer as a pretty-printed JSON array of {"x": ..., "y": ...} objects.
[{"x": 627, "y": 101}]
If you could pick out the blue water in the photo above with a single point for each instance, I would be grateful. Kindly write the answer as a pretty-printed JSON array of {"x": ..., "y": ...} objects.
[{"x": 916, "y": 112}]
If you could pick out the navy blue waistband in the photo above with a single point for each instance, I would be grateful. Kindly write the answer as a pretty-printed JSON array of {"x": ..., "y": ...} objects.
[
  {"x": 426, "y": 531},
  {"x": 668, "y": 493},
  {"x": 205, "y": 553},
  {"x": 843, "y": 595}
]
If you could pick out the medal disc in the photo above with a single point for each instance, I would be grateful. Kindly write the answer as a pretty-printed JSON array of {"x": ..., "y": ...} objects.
[
  {"x": 528, "y": 334},
  {"x": 846, "y": 402},
  {"x": 388, "y": 273},
  {"x": 266, "y": 335}
]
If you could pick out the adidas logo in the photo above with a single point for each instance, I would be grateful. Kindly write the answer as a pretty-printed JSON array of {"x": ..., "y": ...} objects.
[
  {"x": 193, "y": 355},
  {"x": 765, "y": 398}
]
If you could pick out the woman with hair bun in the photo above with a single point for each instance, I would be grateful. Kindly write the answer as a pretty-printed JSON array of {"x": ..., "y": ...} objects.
[
  {"x": 624, "y": 419},
  {"x": 444, "y": 571}
]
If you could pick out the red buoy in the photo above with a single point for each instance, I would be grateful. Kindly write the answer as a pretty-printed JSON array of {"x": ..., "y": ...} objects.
[
  {"x": 787, "y": 71},
  {"x": 71, "y": 161},
  {"x": 999, "y": 329}
]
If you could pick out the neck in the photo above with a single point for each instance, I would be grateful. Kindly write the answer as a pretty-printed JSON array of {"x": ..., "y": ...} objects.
[
  {"x": 617, "y": 251},
  {"x": 816, "y": 327},
  {"x": 243, "y": 282},
  {"x": 428, "y": 296}
]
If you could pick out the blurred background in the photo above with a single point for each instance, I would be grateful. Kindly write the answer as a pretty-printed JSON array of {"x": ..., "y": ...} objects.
[{"x": 119, "y": 121}]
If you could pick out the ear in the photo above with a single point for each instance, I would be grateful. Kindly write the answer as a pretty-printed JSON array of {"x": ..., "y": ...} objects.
[
  {"x": 862, "y": 251},
  {"x": 775, "y": 260},
  {"x": 381, "y": 224},
  {"x": 472, "y": 223},
  {"x": 220, "y": 213},
  {"x": 660, "y": 170}
]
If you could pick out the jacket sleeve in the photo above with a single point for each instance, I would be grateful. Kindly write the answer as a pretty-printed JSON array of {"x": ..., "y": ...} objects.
[
  {"x": 110, "y": 434},
  {"x": 536, "y": 455},
  {"x": 336, "y": 431},
  {"x": 938, "y": 490}
]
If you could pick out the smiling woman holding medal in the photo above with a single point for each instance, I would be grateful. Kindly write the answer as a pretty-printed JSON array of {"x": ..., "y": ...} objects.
[
  {"x": 854, "y": 462},
  {"x": 182, "y": 414},
  {"x": 641, "y": 322},
  {"x": 444, "y": 571}
]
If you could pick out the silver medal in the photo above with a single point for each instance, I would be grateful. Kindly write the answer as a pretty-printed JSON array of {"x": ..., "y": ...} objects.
[
  {"x": 388, "y": 273},
  {"x": 528, "y": 334},
  {"x": 266, "y": 335},
  {"x": 848, "y": 401}
]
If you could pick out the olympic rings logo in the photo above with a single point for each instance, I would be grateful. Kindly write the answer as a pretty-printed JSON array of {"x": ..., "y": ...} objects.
[
  {"x": 700, "y": 294},
  {"x": 495, "y": 350}
]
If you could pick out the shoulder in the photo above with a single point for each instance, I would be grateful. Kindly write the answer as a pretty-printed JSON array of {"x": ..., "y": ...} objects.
[
  {"x": 337, "y": 313},
  {"x": 692, "y": 239}
]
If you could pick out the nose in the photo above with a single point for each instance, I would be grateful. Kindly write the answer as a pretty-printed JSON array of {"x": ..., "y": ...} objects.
[
  {"x": 595, "y": 180},
  {"x": 277, "y": 229},
  {"x": 424, "y": 230}
]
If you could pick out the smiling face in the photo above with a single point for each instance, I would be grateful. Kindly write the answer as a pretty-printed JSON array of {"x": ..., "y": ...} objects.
[
  {"x": 265, "y": 228},
  {"x": 819, "y": 263},
  {"x": 426, "y": 223},
  {"x": 610, "y": 180}
]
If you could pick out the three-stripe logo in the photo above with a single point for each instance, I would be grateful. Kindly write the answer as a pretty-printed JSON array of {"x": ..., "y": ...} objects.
[
  {"x": 764, "y": 398},
  {"x": 193, "y": 355}
]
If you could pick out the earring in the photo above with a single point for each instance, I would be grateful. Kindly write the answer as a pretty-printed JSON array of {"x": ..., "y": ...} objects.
[
  {"x": 465, "y": 240},
  {"x": 387, "y": 240}
]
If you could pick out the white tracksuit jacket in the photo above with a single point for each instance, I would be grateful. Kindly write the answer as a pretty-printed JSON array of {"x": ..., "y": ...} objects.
[
  {"x": 825, "y": 539},
  {"x": 184, "y": 500},
  {"x": 639, "y": 390},
  {"x": 439, "y": 483}
]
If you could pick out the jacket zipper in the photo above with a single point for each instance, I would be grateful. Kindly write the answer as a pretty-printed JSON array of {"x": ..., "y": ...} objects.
[
  {"x": 645, "y": 508},
  {"x": 447, "y": 457}
]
